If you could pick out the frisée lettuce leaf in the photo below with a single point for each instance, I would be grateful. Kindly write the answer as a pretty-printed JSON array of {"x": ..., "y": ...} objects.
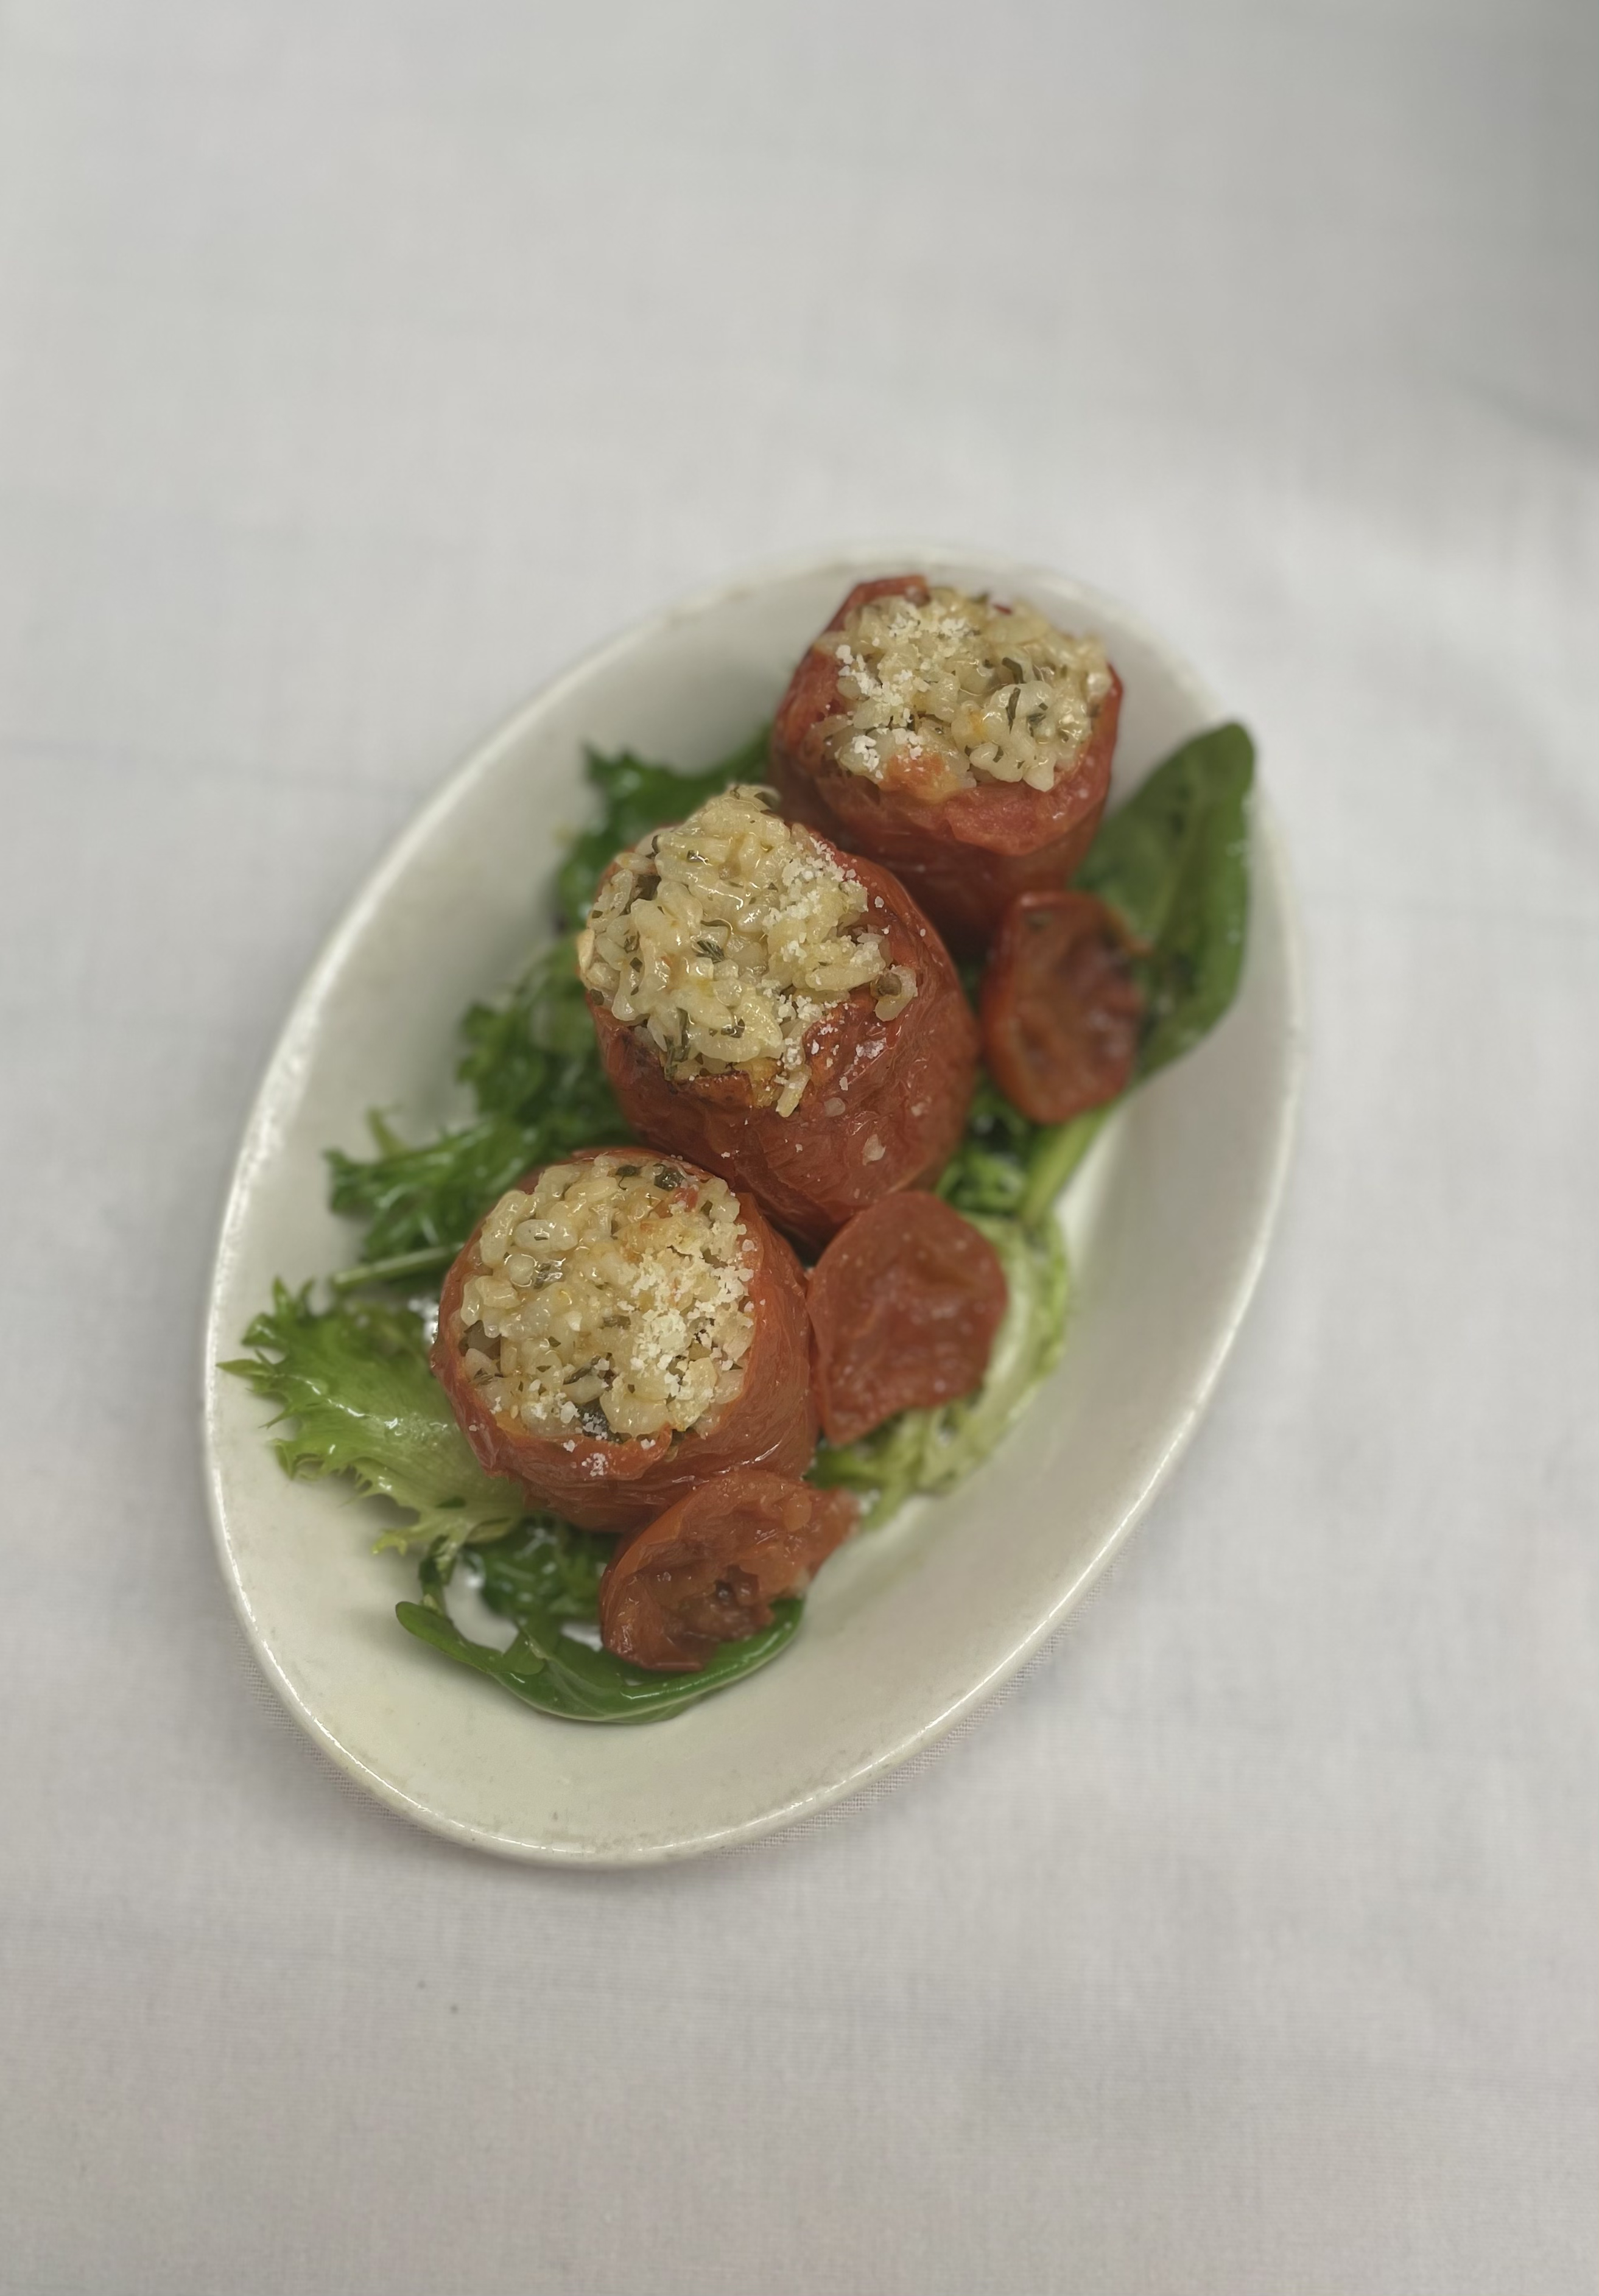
[
  {"x": 534, "y": 1069},
  {"x": 353, "y": 1381},
  {"x": 354, "y": 1384}
]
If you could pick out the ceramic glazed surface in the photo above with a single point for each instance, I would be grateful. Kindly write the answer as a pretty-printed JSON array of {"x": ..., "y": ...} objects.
[{"x": 908, "y": 1628}]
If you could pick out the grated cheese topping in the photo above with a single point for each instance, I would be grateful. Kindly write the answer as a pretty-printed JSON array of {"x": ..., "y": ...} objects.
[
  {"x": 946, "y": 695},
  {"x": 729, "y": 937},
  {"x": 611, "y": 1301}
]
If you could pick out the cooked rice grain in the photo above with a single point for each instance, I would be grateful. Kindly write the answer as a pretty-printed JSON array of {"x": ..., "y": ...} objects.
[
  {"x": 611, "y": 1301},
  {"x": 946, "y": 695},
  {"x": 727, "y": 937}
]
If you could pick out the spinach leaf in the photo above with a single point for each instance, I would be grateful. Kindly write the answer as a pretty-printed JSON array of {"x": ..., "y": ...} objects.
[
  {"x": 638, "y": 797},
  {"x": 1174, "y": 860},
  {"x": 1054, "y": 1154},
  {"x": 934, "y": 1450},
  {"x": 533, "y": 1065},
  {"x": 541, "y": 1577},
  {"x": 355, "y": 1381},
  {"x": 1008, "y": 1167}
]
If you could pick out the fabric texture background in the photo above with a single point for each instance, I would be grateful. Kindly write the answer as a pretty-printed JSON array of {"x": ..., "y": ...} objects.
[{"x": 360, "y": 363}]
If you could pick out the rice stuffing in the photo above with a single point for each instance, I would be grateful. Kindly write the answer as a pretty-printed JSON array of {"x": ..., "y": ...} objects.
[
  {"x": 610, "y": 1301},
  {"x": 949, "y": 695},
  {"x": 730, "y": 936}
]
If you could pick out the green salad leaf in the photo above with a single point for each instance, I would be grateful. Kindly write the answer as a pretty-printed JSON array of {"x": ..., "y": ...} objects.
[
  {"x": 530, "y": 1053},
  {"x": 930, "y": 1451},
  {"x": 1174, "y": 860},
  {"x": 355, "y": 1381},
  {"x": 637, "y": 797},
  {"x": 1007, "y": 1167},
  {"x": 531, "y": 1061},
  {"x": 542, "y": 1576},
  {"x": 988, "y": 1172},
  {"x": 533, "y": 1065},
  {"x": 545, "y": 1565}
]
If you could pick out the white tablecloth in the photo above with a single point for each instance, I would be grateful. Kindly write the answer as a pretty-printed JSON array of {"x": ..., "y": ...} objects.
[{"x": 360, "y": 363}]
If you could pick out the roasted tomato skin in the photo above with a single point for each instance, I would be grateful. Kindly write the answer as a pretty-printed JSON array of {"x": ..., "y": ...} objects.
[
  {"x": 884, "y": 1108},
  {"x": 963, "y": 860},
  {"x": 1062, "y": 1009},
  {"x": 904, "y": 1304},
  {"x": 599, "y": 1484},
  {"x": 708, "y": 1570}
]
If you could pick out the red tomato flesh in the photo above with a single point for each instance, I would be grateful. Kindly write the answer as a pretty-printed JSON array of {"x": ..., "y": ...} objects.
[
  {"x": 708, "y": 1570},
  {"x": 1060, "y": 1007},
  {"x": 904, "y": 1304}
]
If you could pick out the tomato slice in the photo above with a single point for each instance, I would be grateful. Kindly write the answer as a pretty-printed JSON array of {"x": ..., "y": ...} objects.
[
  {"x": 903, "y": 1303},
  {"x": 1060, "y": 1008},
  {"x": 709, "y": 1569}
]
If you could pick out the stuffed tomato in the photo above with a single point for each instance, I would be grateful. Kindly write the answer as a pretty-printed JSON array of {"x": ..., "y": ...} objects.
[
  {"x": 965, "y": 745},
  {"x": 619, "y": 1328},
  {"x": 779, "y": 1011}
]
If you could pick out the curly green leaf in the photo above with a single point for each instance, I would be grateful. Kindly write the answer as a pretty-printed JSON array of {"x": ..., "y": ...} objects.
[
  {"x": 354, "y": 1382},
  {"x": 533, "y": 1065}
]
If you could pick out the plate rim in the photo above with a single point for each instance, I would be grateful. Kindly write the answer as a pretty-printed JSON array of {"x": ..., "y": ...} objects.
[{"x": 290, "y": 1056}]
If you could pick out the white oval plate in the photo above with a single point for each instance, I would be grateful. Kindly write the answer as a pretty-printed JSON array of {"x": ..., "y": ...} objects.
[{"x": 910, "y": 1627}]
